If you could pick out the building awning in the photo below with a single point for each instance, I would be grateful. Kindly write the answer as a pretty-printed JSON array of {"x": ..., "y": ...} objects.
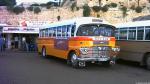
[{"x": 27, "y": 30}]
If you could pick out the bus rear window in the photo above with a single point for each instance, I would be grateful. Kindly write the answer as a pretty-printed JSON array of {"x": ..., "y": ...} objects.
[{"x": 95, "y": 30}]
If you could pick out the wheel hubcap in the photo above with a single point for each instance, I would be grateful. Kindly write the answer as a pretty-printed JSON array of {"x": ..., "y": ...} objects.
[{"x": 73, "y": 58}]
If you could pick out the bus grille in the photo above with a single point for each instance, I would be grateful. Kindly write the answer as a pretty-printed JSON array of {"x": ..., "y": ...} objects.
[{"x": 98, "y": 51}]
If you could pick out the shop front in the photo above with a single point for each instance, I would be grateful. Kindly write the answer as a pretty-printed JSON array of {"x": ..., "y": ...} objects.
[{"x": 20, "y": 37}]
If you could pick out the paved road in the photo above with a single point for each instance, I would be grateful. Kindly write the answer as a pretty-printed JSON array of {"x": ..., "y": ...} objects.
[{"x": 29, "y": 68}]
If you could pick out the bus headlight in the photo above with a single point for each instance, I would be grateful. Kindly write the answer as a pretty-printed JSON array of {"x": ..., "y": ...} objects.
[
  {"x": 116, "y": 49},
  {"x": 104, "y": 48},
  {"x": 100, "y": 48},
  {"x": 84, "y": 51}
]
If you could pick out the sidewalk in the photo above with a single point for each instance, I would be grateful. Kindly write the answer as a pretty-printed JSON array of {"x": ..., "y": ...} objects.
[{"x": 8, "y": 51}]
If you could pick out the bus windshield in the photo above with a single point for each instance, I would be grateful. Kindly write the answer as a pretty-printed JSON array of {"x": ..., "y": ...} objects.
[{"x": 95, "y": 30}]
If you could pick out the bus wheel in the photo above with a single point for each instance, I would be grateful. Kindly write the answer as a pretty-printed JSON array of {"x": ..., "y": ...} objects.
[
  {"x": 148, "y": 62},
  {"x": 106, "y": 64},
  {"x": 43, "y": 52},
  {"x": 73, "y": 60}
]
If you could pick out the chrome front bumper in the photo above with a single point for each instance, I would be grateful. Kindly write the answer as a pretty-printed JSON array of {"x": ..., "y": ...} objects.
[
  {"x": 93, "y": 58},
  {"x": 97, "y": 53}
]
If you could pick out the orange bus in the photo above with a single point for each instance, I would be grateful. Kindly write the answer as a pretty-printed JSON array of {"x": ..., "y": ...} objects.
[{"x": 79, "y": 40}]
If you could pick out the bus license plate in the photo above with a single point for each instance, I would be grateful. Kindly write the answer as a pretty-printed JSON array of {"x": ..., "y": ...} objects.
[{"x": 103, "y": 59}]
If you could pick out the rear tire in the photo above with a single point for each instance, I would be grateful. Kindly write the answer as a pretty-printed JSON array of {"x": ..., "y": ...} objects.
[
  {"x": 43, "y": 54},
  {"x": 148, "y": 62}
]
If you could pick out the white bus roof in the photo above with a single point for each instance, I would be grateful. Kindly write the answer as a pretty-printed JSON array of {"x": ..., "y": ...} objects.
[
  {"x": 133, "y": 24},
  {"x": 78, "y": 21}
]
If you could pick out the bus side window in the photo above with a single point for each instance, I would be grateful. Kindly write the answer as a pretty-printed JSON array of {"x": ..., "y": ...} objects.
[
  {"x": 64, "y": 31},
  {"x": 46, "y": 32},
  {"x": 123, "y": 34},
  {"x": 140, "y": 33},
  {"x": 40, "y": 35},
  {"x": 73, "y": 30},
  {"x": 50, "y": 32},
  {"x": 68, "y": 30},
  {"x": 59, "y": 31},
  {"x": 147, "y": 33},
  {"x": 55, "y": 32},
  {"x": 117, "y": 34},
  {"x": 132, "y": 33},
  {"x": 43, "y": 32}
]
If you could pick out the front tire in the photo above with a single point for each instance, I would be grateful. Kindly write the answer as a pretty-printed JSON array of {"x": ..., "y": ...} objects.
[
  {"x": 106, "y": 64},
  {"x": 73, "y": 60}
]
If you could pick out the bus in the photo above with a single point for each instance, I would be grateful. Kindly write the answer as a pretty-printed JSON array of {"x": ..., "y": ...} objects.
[
  {"x": 134, "y": 41},
  {"x": 78, "y": 41}
]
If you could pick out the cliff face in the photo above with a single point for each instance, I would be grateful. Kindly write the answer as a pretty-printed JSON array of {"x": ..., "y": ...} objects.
[
  {"x": 103, "y": 2},
  {"x": 113, "y": 15}
]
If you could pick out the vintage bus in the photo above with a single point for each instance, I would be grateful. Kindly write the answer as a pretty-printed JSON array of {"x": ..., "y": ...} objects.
[
  {"x": 79, "y": 40},
  {"x": 134, "y": 41}
]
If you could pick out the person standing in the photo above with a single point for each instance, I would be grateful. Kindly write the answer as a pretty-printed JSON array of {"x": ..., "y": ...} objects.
[
  {"x": 1, "y": 43},
  {"x": 4, "y": 44},
  {"x": 16, "y": 42}
]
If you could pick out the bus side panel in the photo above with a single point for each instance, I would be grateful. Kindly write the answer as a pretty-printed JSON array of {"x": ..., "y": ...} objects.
[
  {"x": 59, "y": 53},
  {"x": 47, "y": 43},
  {"x": 76, "y": 45},
  {"x": 39, "y": 45},
  {"x": 62, "y": 47},
  {"x": 133, "y": 50},
  {"x": 53, "y": 48}
]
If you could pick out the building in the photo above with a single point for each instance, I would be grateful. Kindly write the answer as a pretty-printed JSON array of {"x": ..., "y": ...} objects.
[{"x": 16, "y": 37}]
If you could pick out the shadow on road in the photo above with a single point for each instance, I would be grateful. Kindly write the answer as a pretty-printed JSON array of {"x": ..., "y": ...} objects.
[
  {"x": 129, "y": 63},
  {"x": 62, "y": 62}
]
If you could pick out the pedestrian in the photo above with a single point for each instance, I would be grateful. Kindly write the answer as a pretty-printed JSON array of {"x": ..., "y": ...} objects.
[
  {"x": 12, "y": 44},
  {"x": 1, "y": 43},
  {"x": 16, "y": 42},
  {"x": 4, "y": 45}
]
